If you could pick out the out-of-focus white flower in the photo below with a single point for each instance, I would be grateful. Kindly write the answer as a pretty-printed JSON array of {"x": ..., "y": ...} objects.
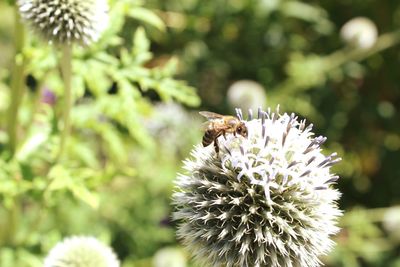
[
  {"x": 391, "y": 222},
  {"x": 66, "y": 21},
  {"x": 264, "y": 200},
  {"x": 246, "y": 94},
  {"x": 360, "y": 32},
  {"x": 170, "y": 257},
  {"x": 81, "y": 251},
  {"x": 170, "y": 121}
]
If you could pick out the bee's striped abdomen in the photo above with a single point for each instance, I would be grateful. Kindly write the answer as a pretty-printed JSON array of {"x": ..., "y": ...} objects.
[{"x": 208, "y": 137}]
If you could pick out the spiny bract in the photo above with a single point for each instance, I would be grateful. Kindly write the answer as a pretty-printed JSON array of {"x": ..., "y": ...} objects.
[
  {"x": 265, "y": 200},
  {"x": 66, "y": 21},
  {"x": 81, "y": 251}
]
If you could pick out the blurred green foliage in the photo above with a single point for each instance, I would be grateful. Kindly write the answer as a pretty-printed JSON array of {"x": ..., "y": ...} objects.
[{"x": 132, "y": 126}]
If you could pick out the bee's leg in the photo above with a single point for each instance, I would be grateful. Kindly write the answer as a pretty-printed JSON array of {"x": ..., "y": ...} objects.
[
  {"x": 223, "y": 133},
  {"x": 216, "y": 146}
]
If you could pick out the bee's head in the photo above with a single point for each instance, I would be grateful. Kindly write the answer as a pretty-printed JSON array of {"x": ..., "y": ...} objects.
[{"x": 242, "y": 129}]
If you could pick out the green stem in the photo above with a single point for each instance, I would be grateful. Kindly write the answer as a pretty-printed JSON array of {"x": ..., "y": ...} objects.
[
  {"x": 340, "y": 57},
  {"x": 343, "y": 56},
  {"x": 13, "y": 222},
  {"x": 17, "y": 84},
  {"x": 17, "y": 92},
  {"x": 66, "y": 69}
]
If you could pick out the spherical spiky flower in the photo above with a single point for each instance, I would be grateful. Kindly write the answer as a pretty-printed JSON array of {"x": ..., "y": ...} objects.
[
  {"x": 246, "y": 94},
  {"x": 81, "y": 251},
  {"x": 264, "y": 200},
  {"x": 66, "y": 21}
]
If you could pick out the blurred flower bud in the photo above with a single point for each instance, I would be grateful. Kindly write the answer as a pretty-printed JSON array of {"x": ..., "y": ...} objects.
[
  {"x": 391, "y": 222},
  {"x": 66, "y": 21},
  {"x": 264, "y": 200},
  {"x": 165, "y": 123},
  {"x": 81, "y": 251},
  {"x": 246, "y": 94},
  {"x": 169, "y": 257},
  {"x": 48, "y": 97},
  {"x": 360, "y": 32}
]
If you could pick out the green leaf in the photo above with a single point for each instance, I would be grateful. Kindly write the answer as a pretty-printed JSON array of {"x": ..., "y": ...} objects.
[
  {"x": 32, "y": 144},
  {"x": 125, "y": 86},
  {"x": 85, "y": 195},
  {"x": 170, "y": 68},
  {"x": 114, "y": 143},
  {"x": 96, "y": 77},
  {"x": 183, "y": 93},
  {"x": 60, "y": 178},
  {"x": 141, "y": 45},
  {"x": 140, "y": 41},
  {"x": 148, "y": 17},
  {"x": 78, "y": 85},
  {"x": 85, "y": 153},
  {"x": 28, "y": 258}
]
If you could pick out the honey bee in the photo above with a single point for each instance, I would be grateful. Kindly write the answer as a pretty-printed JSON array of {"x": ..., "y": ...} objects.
[{"x": 221, "y": 125}]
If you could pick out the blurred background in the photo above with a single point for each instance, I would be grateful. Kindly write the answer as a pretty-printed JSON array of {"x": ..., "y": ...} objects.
[{"x": 335, "y": 63}]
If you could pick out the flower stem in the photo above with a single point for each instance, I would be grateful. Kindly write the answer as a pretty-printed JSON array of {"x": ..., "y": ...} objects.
[
  {"x": 17, "y": 83},
  {"x": 340, "y": 57},
  {"x": 66, "y": 70},
  {"x": 14, "y": 214}
]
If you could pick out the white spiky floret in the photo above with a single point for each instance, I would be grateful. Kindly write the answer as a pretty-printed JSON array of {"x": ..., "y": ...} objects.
[
  {"x": 264, "y": 200},
  {"x": 81, "y": 251},
  {"x": 66, "y": 21}
]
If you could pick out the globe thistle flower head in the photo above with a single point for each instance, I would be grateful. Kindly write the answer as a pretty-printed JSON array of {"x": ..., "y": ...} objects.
[
  {"x": 264, "y": 200},
  {"x": 81, "y": 251},
  {"x": 246, "y": 94},
  {"x": 360, "y": 32},
  {"x": 66, "y": 21}
]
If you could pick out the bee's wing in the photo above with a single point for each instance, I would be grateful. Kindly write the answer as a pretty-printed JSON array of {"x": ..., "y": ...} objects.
[
  {"x": 206, "y": 125},
  {"x": 210, "y": 115}
]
